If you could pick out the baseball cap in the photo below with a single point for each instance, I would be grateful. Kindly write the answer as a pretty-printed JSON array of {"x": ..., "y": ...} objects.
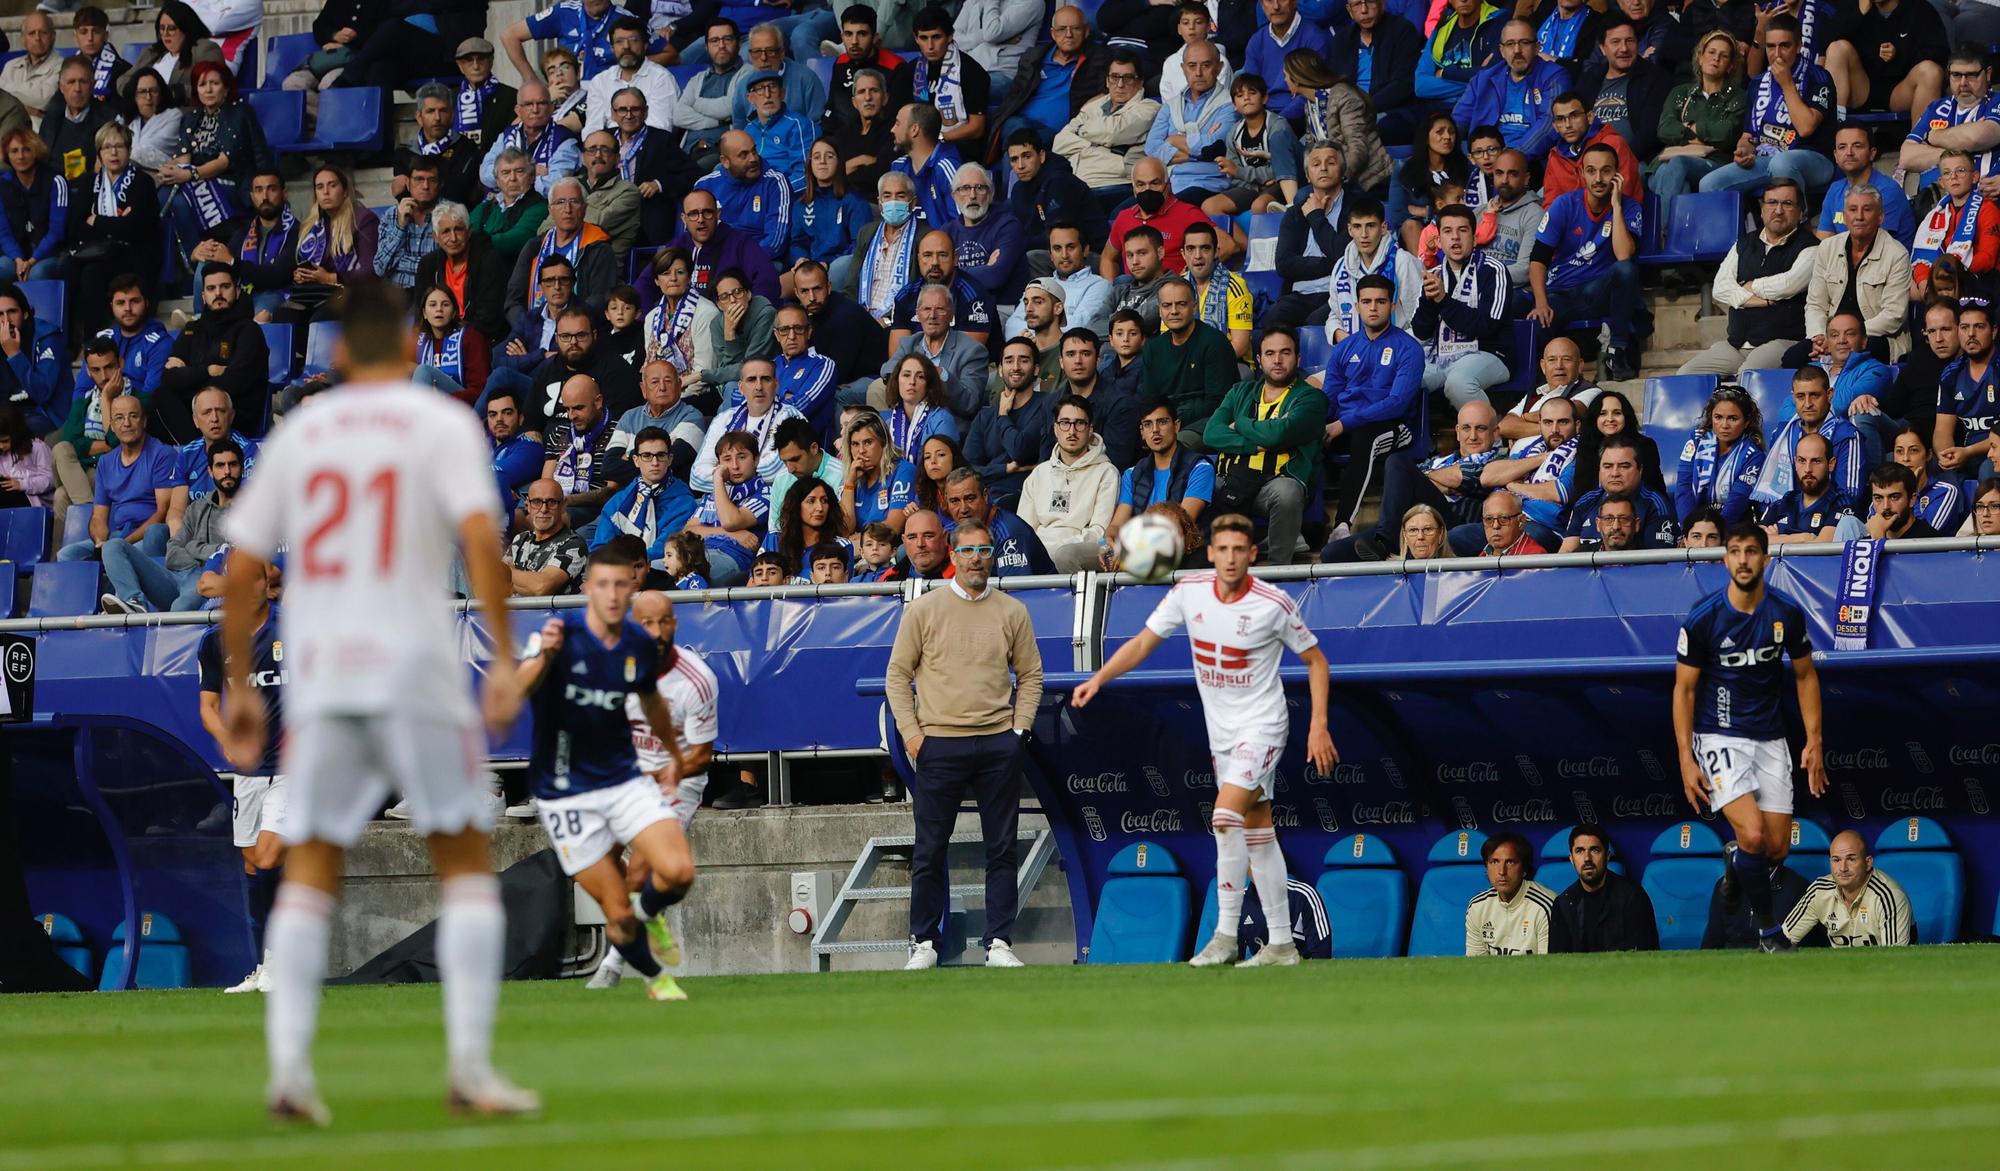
[
  {"x": 474, "y": 47},
  {"x": 1051, "y": 286}
]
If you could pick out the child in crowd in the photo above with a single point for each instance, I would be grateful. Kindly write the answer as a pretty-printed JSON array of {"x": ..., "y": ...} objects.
[
  {"x": 1447, "y": 193},
  {"x": 623, "y": 315},
  {"x": 828, "y": 560},
  {"x": 686, "y": 559},
  {"x": 769, "y": 569},
  {"x": 1262, "y": 158},
  {"x": 878, "y": 552}
]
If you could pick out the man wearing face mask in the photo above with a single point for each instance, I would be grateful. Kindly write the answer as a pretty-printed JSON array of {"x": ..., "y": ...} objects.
[
  {"x": 885, "y": 256},
  {"x": 991, "y": 249},
  {"x": 1155, "y": 207}
]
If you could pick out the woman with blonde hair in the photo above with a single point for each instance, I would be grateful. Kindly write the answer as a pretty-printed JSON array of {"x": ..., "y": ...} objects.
[
  {"x": 337, "y": 240},
  {"x": 1702, "y": 119},
  {"x": 1423, "y": 535}
]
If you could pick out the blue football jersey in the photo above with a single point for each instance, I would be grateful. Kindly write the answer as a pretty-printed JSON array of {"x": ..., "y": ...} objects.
[
  {"x": 1743, "y": 675},
  {"x": 583, "y": 740},
  {"x": 267, "y": 679}
]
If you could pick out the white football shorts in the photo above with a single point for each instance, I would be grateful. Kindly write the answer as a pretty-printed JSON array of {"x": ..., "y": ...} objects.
[
  {"x": 342, "y": 769},
  {"x": 588, "y": 826},
  {"x": 1736, "y": 766},
  {"x": 259, "y": 807},
  {"x": 1250, "y": 766}
]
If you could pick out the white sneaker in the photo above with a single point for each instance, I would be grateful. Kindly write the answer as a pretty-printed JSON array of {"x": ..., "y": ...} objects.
[
  {"x": 297, "y": 1104},
  {"x": 524, "y": 811},
  {"x": 608, "y": 973},
  {"x": 1219, "y": 950},
  {"x": 491, "y": 1096},
  {"x": 493, "y": 803},
  {"x": 254, "y": 982},
  {"x": 264, "y": 974},
  {"x": 1000, "y": 954},
  {"x": 1274, "y": 955},
  {"x": 1340, "y": 532},
  {"x": 923, "y": 957},
  {"x": 400, "y": 811}
]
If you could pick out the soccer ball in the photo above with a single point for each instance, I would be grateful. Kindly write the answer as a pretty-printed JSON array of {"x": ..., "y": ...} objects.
[{"x": 1149, "y": 547}]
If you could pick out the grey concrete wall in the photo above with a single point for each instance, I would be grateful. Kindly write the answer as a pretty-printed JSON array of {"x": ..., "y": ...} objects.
[{"x": 734, "y": 922}]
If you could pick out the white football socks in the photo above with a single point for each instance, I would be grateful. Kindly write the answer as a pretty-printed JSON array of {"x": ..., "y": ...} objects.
[
  {"x": 296, "y": 936},
  {"x": 1267, "y": 870},
  {"x": 471, "y": 944},
  {"x": 1232, "y": 870}
]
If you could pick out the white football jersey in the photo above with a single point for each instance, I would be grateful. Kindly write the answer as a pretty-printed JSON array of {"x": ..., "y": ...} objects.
[
  {"x": 364, "y": 489},
  {"x": 689, "y": 689},
  {"x": 1236, "y": 647}
]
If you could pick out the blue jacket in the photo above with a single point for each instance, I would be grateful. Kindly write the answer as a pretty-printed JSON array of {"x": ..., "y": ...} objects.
[
  {"x": 42, "y": 387},
  {"x": 1657, "y": 529},
  {"x": 935, "y": 206},
  {"x": 1017, "y": 551},
  {"x": 782, "y": 143},
  {"x": 144, "y": 355},
  {"x": 829, "y": 227},
  {"x": 806, "y": 384},
  {"x": 992, "y": 254},
  {"x": 670, "y": 516},
  {"x": 1264, "y": 57},
  {"x": 1861, "y": 374},
  {"x": 516, "y": 464},
  {"x": 1485, "y": 102},
  {"x": 760, "y": 208},
  {"x": 1376, "y": 380}
]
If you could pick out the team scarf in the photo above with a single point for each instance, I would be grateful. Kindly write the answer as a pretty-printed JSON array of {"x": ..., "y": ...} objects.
[
  {"x": 667, "y": 334},
  {"x": 100, "y": 71},
  {"x": 119, "y": 188},
  {"x": 1345, "y": 278},
  {"x": 902, "y": 428},
  {"x": 1558, "y": 34},
  {"x": 739, "y": 420},
  {"x": 472, "y": 105},
  {"x": 1715, "y": 472},
  {"x": 1217, "y": 99},
  {"x": 434, "y": 149},
  {"x": 573, "y": 465},
  {"x": 947, "y": 89},
  {"x": 264, "y": 247},
  {"x": 571, "y": 252},
  {"x": 1768, "y": 108},
  {"x": 1938, "y": 233},
  {"x": 544, "y": 149},
  {"x": 211, "y": 201},
  {"x": 1478, "y": 190},
  {"x": 1854, "y": 603},
  {"x": 1215, "y": 298},
  {"x": 904, "y": 243},
  {"x": 312, "y": 245},
  {"x": 642, "y": 516},
  {"x": 1553, "y": 467},
  {"x": 1774, "y": 481},
  {"x": 1450, "y": 346},
  {"x": 448, "y": 356},
  {"x": 628, "y": 155}
]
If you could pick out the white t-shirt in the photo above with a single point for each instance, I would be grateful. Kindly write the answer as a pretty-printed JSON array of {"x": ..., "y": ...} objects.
[
  {"x": 689, "y": 689},
  {"x": 364, "y": 488},
  {"x": 1236, "y": 650}
]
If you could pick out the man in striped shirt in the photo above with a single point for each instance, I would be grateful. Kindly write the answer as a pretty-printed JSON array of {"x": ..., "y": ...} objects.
[
  {"x": 1858, "y": 905},
  {"x": 1514, "y": 916}
]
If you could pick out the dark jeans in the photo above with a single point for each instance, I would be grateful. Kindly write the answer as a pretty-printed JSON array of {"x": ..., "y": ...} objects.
[
  {"x": 948, "y": 768},
  {"x": 1403, "y": 487},
  {"x": 1612, "y": 298},
  {"x": 399, "y": 52}
]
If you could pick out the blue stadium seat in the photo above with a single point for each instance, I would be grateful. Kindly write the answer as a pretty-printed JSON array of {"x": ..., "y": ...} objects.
[
  {"x": 1367, "y": 898},
  {"x": 1675, "y": 401},
  {"x": 68, "y": 942},
  {"x": 1314, "y": 349},
  {"x": 1144, "y": 910},
  {"x": 1455, "y": 875},
  {"x": 1670, "y": 442},
  {"x": 1553, "y": 868},
  {"x": 685, "y": 73},
  {"x": 1772, "y": 391},
  {"x": 132, "y": 52},
  {"x": 282, "y": 114},
  {"x": 1699, "y": 227},
  {"x": 1527, "y": 359},
  {"x": 284, "y": 54},
  {"x": 163, "y": 958},
  {"x": 24, "y": 536},
  {"x": 246, "y": 68},
  {"x": 48, "y": 301},
  {"x": 1918, "y": 854},
  {"x": 76, "y": 525},
  {"x": 64, "y": 589},
  {"x": 320, "y": 339},
  {"x": 822, "y": 68},
  {"x": 1265, "y": 289},
  {"x": 349, "y": 119},
  {"x": 1687, "y": 859},
  {"x": 11, "y": 55},
  {"x": 278, "y": 336},
  {"x": 1809, "y": 848}
]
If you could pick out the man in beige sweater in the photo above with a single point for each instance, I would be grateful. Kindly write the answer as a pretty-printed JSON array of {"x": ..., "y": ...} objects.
[{"x": 964, "y": 680}]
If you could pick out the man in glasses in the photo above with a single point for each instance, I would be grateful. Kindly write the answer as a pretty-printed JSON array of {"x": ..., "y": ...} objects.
[
  {"x": 654, "y": 506},
  {"x": 628, "y": 45},
  {"x": 1960, "y": 120},
  {"x": 577, "y": 449},
  {"x": 803, "y": 90},
  {"x": 1106, "y": 127},
  {"x": 706, "y": 100},
  {"x": 551, "y": 149},
  {"x": 754, "y": 199},
  {"x": 652, "y": 160},
  {"x": 1047, "y": 86},
  {"x": 717, "y": 247},
  {"x": 546, "y": 557},
  {"x": 991, "y": 248},
  {"x": 609, "y": 200},
  {"x": 1762, "y": 282},
  {"x": 969, "y": 650},
  {"x": 586, "y": 246}
]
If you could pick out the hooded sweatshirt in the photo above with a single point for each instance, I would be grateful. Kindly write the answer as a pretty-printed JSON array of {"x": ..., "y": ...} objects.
[{"x": 1068, "y": 502}]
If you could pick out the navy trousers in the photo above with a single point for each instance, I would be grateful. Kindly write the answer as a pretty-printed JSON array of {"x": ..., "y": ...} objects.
[{"x": 949, "y": 768}]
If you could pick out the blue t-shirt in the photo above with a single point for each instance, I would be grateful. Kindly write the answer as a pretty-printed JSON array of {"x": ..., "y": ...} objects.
[
  {"x": 1200, "y": 486},
  {"x": 128, "y": 491},
  {"x": 752, "y": 496},
  {"x": 1739, "y": 655},
  {"x": 1897, "y": 218},
  {"x": 1976, "y": 401},
  {"x": 267, "y": 679},
  {"x": 1582, "y": 242},
  {"x": 570, "y": 26},
  {"x": 583, "y": 740},
  {"x": 191, "y": 464},
  {"x": 874, "y": 502}
]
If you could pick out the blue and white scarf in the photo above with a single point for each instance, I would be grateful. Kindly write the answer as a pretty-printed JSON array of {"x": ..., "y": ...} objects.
[
  {"x": 1345, "y": 278},
  {"x": 1768, "y": 110},
  {"x": 312, "y": 245},
  {"x": 641, "y": 517},
  {"x": 739, "y": 420},
  {"x": 573, "y": 465},
  {"x": 904, "y": 244},
  {"x": 1939, "y": 234},
  {"x": 433, "y": 149},
  {"x": 946, "y": 91},
  {"x": 1557, "y": 38},
  {"x": 570, "y": 251},
  {"x": 902, "y": 428},
  {"x": 628, "y": 155},
  {"x": 448, "y": 356},
  {"x": 667, "y": 336},
  {"x": 100, "y": 71},
  {"x": 211, "y": 202},
  {"x": 119, "y": 188},
  {"x": 1553, "y": 467},
  {"x": 471, "y": 106},
  {"x": 1774, "y": 482},
  {"x": 1713, "y": 473},
  {"x": 544, "y": 149}
]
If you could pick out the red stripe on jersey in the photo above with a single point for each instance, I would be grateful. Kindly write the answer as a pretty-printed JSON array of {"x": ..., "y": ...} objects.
[
  {"x": 1204, "y": 660},
  {"x": 703, "y": 687}
]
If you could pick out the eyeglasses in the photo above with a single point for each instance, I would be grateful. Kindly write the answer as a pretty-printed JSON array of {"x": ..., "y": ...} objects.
[
  {"x": 731, "y": 294},
  {"x": 628, "y": 109},
  {"x": 1071, "y": 424},
  {"x": 1987, "y": 506},
  {"x": 599, "y": 149},
  {"x": 1501, "y": 520},
  {"x": 1779, "y": 201},
  {"x": 558, "y": 280},
  {"x": 767, "y": 51},
  {"x": 544, "y": 501},
  {"x": 582, "y": 336},
  {"x": 1517, "y": 42},
  {"x": 790, "y": 329},
  {"x": 565, "y": 201},
  {"x": 649, "y": 456},
  {"x": 975, "y": 550},
  {"x": 700, "y": 213},
  {"x": 1488, "y": 149},
  {"x": 1121, "y": 78},
  {"x": 1967, "y": 75}
]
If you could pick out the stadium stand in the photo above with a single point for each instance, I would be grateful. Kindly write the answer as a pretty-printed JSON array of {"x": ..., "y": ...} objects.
[
  {"x": 1367, "y": 898},
  {"x": 1686, "y": 861},
  {"x": 1144, "y": 911},
  {"x": 69, "y": 942},
  {"x": 163, "y": 956},
  {"x": 1919, "y": 854},
  {"x": 1455, "y": 875}
]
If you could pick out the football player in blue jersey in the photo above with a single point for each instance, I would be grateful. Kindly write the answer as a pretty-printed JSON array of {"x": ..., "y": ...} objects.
[
  {"x": 584, "y": 774},
  {"x": 1731, "y": 731}
]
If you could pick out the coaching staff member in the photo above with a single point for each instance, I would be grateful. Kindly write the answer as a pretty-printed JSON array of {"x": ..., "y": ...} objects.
[
  {"x": 963, "y": 725},
  {"x": 1603, "y": 910}
]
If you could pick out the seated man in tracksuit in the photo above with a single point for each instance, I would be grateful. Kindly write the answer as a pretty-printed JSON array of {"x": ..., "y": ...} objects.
[{"x": 1374, "y": 390}]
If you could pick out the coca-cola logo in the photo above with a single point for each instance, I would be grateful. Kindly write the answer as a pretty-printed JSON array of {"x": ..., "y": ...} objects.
[
  {"x": 1533, "y": 809},
  {"x": 1284, "y": 817},
  {"x": 1590, "y": 766},
  {"x": 1101, "y": 783},
  {"x": 1329, "y": 821},
  {"x": 1860, "y": 758},
  {"x": 1385, "y": 813},
  {"x": 1195, "y": 780},
  {"x": 1094, "y": 824},
  {"x": 1648, "y": 805},
  {"x": 1922, "y": 799},
  {"x": 1344, "y": 773},
  {"x": 1975, "y": 754},
  {"x": 1477, "y": 772},
  {"x": 1159, "y": 821}
]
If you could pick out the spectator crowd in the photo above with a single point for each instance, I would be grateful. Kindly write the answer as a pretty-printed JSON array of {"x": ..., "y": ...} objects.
[{"x": 790, "y": 302}]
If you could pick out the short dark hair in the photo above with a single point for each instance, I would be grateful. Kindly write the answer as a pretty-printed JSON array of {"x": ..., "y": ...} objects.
[
  {"x": 1375, "y": 280},
  {"x": 1486, "y": 130},
  {"x": 1190, "y": 8},
  {"x": 425, "y": 163},
  {"x": 91, "y": 16},
  {"x": 742, "y": 439},
  {"x": 930, "y": 19},
  {"x": 1615, "y": 442},
  {"x": 1023, "y": 340},
  {"x": 1890, "y": 474},
  {"x": 555, "y": 260},
  {"x": 724, "y": 22},
  {"x": 1783, "y": 22},
  {"x": 1589, "y": 829},
  {"x": 1505, "y": 838},
  {"x": 1282, "y": 329},
  {"x": 224, "y": 445},
  {"x": 1816, "y": 374},
  {"x": 1083, "y": 404},
  {"x": 1596, "y": 148},
  {"x": 125, "y": 282},
  {"x": 827, "y": 551},
  {"x": 212, "y": 267},
  {"x": 101, "y": 347},
  {"x": 646, "y": 435},
  {"x": 1457, "y": 211},
  {"x": 859, "y": 14},
  {"x": 1249, "y": 81},
  {"x": 372, "y": 322},
  {"x": 1079, "y": 333},
  {"x": 1565, "y": 98},
  {"x": 1615, "y": 20},
  {"x": 773, "y": 557},
  {"x": 616, "y": 553},
  {"x": 1750, "y": 530},
  {"x": 1126, "y": 317},
  {"x": 795, "y": 430},
  {"x": 1145, "y": 232},
  {"x": 1064, "y": 226},
  {"x": 1026, "y": 136},
  {"x": 1365, "y": 207},
  {"x": 1202, "y": 225},
  {"x": 1158, "y": 402}
]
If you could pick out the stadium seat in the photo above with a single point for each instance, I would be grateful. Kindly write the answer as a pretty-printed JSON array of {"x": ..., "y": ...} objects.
[
  {"x": 1314, "y": 349},
  {"x": 163, "y": 958},
  {"x": 24, "y": 536},
  {"x": 47, "y": 299},
  {"x": 68, "y": 941},
  {"x": 1687, "y": 859},
  {"x": 1367, "y": 898},
  {"x": 1265, "y": 289},
  {"x": 822, "y": 68},
  {"x": 284, "y": 54},
  {"x": 1455, "y": 875},
  {"x": 1772, "y": 391},
  {"x": 1697, "y": 228},
  {"x": 1809, "y": 848},
  {"x": 1263, "y": 237},
  {"x": 132, "y": 52},
  {"x": 1527, "y": 359},
  {"x": 63, "y": 589},
  {"x": 1553, "y": 868},
  {"x": 320, "y": 339},
  {"x": 1670, "y": 442},
  {"x": 1144, "y": 911},
  {"x": 278, "y": 336},
  {"x": 349, "y": 119},
  {"x": 1918, "y": 854},
  {"x": 1675, "y": 401},
  {"x": 282, "y": 114},
  {"x": 685, "y": 73},
  {"x": 76, "y": 526}
]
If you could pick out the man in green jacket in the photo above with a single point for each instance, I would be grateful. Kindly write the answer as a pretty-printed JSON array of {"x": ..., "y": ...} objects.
[
  {"x": 1266, "y": 435},
  {"x": 1190, "y": 362},
  {"x": 513, "y": 215}
]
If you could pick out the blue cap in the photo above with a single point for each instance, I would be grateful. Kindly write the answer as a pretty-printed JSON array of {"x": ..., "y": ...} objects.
[{"x": 761, "y": 76}]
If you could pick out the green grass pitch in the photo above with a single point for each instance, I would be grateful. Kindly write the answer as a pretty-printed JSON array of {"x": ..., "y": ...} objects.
[{"x": 1864, "y": 1059}]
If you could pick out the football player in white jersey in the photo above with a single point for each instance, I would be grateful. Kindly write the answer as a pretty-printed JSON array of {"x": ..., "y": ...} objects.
[
  {"x": 688, "y": 686},
  {"x": 1239, "y": 627},
  {"x": 369, "y": 489}
]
